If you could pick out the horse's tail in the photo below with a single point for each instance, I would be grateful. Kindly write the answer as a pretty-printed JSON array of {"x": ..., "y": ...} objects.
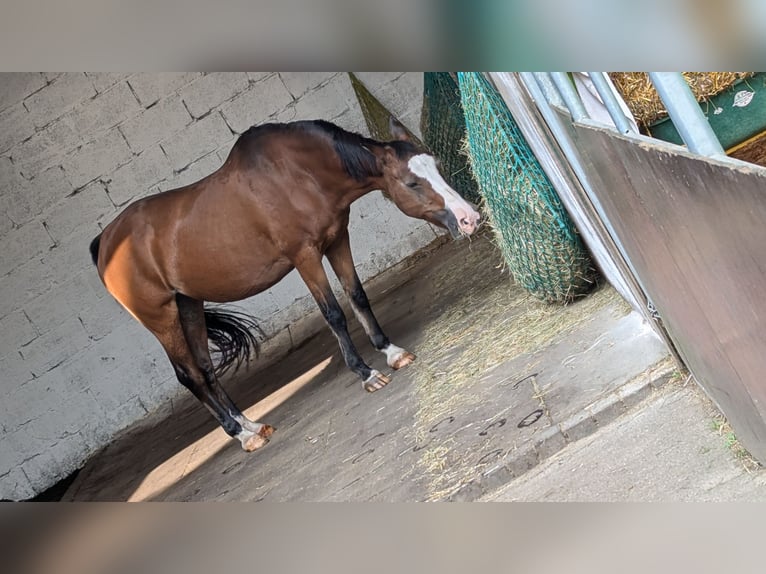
[
  {"x": 233, "y": 335},
  {"x": 94, "y": 245}
]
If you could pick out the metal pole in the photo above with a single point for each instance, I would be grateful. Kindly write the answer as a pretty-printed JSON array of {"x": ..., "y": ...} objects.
[
  {"x": 549, "y": 89},
  {"x": 686, "y": 114},
  {"x": 610, "y": 101},
  {"x": 571, "y": 97}
]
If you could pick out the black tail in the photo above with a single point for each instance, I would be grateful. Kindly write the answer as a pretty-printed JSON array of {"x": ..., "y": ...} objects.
[
  {"x": 233, "y": 335},
  {"x": 94, "y": 245}
]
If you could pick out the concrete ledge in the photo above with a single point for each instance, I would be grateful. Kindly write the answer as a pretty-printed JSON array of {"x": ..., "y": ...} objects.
[{"x": 575, "y": 428}]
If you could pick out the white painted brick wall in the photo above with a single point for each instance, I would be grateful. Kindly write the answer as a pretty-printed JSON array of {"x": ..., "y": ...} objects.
[
  {"x": 60, "y": 96},
  {"x": 298, "y": 83},
  {"x": 102, "y": 81},
  {"x": 89, "y": 205},
  {"x": 267, "y": 97},
  {"x": 211, "y": 90},
  {"x": 75, "y": 148},
  {"x": 199, "y": 139},
  {"x": 102, "y": 113},
  {"x": 44, "y": 149},
  {"x": 156, "y": 124},
  {"x": 28, "y": 240},
  {"x": 151, "y": 87},
  {"x": 15, "y": 126},
  {"x": 23, "y": 199},
  {"x": 15, "y": 87},
  {"x": 133, "y": 179}
]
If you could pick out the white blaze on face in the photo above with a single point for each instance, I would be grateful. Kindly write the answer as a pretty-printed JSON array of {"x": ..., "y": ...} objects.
[{"x": 424, "y": 165}]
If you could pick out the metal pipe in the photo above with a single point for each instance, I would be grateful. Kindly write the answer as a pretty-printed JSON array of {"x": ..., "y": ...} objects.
[
  {"x": 566, "y": 144},
  {"x": 571, "y": 97},
  {"x": 610, "y": 101},
  {"x": 686, "y": 114},
  {"x": 549, "y": 89}
]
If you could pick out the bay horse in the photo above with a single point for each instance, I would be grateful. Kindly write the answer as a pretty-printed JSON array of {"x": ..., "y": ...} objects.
[{"x": 280, "y": 201}]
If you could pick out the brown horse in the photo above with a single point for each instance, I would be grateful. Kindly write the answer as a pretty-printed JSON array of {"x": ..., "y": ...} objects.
[{"x": 280, "y": 201}]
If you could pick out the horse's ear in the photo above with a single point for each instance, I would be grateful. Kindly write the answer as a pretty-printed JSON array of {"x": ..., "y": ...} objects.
[
  {"x": 389, "y": 155},
  {"x": 398, "y": 131},
  {"x": 388, "y": 159}
]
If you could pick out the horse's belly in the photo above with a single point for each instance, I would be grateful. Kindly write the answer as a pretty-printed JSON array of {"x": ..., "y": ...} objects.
[{"x": 222, "y": 281}]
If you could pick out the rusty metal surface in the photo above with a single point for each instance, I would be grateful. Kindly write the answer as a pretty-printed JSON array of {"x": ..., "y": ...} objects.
[{"x": 695, "y": 231}]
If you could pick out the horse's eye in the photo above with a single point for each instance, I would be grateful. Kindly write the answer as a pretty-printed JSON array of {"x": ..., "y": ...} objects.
[{"x": 413, "y": 185}]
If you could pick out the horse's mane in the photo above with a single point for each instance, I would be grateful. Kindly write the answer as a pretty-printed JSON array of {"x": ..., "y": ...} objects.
[{"x": 354, "y": 150}]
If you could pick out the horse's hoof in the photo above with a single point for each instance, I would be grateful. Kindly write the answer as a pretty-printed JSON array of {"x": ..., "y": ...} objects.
[
  {"x": 376, "y": 382},
  {"x": 256, "y": 440},
  {"x": 396, "y": 357},
  {"x": 402, "y": 360}
]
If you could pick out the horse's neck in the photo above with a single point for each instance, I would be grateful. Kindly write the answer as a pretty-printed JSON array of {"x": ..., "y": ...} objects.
[
  {"x": 356, "y": 190},
  {"x": 358, "y": 159}
]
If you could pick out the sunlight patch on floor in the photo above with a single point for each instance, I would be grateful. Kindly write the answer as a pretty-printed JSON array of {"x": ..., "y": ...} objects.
[{"x": 198, "y": 453}]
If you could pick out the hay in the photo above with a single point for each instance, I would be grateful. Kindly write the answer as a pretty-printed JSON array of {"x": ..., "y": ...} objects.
[
  {"x": 644, "y": 102},
  {"x": 511, "y": 323},
  {"x": 537, "y": 238}
]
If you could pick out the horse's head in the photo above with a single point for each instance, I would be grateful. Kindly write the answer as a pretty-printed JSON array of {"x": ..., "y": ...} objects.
[{"x": 412, "y": 180}]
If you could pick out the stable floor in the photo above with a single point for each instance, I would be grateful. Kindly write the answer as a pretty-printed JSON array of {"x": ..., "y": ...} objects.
[{"x": 501, "y": 384}]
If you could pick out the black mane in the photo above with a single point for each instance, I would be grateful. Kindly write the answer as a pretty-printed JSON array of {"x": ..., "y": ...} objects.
[{"x": 354, "y": 150}]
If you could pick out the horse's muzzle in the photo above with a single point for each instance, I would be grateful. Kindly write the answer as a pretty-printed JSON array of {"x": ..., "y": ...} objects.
[
  {"x": 468, "y": 219},
  {"x": 466, "y": 226},
  {"x": 446, "y": 219}
]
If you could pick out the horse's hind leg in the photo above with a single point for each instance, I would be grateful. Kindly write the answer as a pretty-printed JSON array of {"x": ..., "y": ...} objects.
[
  {"x": 164, "y": 321},
  {"x": 192, "y": 317}
]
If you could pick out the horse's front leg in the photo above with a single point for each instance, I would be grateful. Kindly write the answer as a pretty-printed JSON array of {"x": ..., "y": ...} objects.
[
  {"x": 339, "y": 256},
  {"x": 309, "y": 265}
]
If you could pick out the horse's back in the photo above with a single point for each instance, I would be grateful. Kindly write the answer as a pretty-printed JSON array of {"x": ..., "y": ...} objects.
[
  {"x": 237, "y": 231},
  {"x": 207, "y": 240}
]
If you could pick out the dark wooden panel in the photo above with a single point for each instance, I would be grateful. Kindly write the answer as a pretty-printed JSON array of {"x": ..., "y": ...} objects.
[{"x": 695, "y": 231}]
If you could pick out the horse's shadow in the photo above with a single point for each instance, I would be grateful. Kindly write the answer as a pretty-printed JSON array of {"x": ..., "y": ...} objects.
[{"x": 117, "y": 471}]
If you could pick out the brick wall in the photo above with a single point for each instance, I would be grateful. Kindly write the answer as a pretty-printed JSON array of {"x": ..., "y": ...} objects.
[{"x": 74, "y": 149}]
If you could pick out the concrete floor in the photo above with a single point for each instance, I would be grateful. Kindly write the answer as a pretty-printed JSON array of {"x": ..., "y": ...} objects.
[
  {"x": 501, "y": 384},
  {"x": 668, "y": 450}
]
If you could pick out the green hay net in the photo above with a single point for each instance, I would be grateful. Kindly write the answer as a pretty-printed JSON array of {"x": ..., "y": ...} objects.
[
  {"x": 541, "y": 245},
  {"x": 443, "y": 127}
]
